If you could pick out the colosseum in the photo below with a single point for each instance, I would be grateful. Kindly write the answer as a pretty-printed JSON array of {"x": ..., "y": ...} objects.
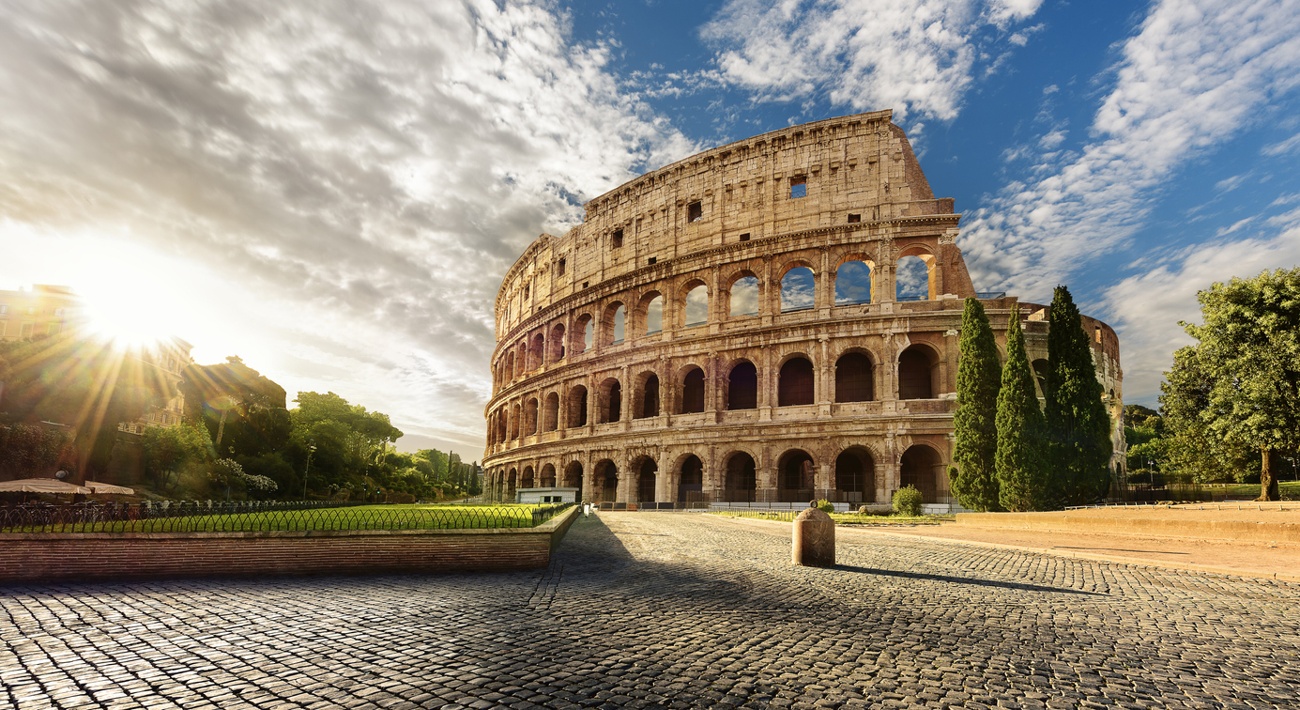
[{"x": 767, "y": 322}]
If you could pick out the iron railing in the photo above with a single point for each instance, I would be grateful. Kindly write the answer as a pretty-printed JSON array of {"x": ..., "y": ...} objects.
[{"x": 213, "y": 516}]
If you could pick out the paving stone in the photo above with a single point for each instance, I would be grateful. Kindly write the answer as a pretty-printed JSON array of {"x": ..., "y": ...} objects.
[{"x": 670, "y": 610}]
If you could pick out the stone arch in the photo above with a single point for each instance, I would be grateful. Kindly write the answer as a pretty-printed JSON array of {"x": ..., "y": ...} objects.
[
  {"x": 610, "y": 401},
  {"x": 546, "y": 479},
  {"x": 695, "y": 303},
  {"x": 510, "y": 366},
  {"x": 527, "y": 479},
  {"x": 692, "y": 390},
  {"x": 923, "y": 467},
  {"x": 512, "y": 484},
  {"x": 557, "y": 349},
  {"x": 855, "y": 377},
  {"x": 690, "y": 479},
  {"x": 605, "y": 481},
  {"x": 646, "y": 471},
  {"x": 855, "y": 475},
  {"x": 551, "y": 412},
  {"x": 577, "y": 406},
  {"x": 796, "y": 382},
  {"x": 918, "y": 372},
  {"x": 744, "y": 293},
  {"x": 515, "y": 416},
  {"x": 740, "y": 477},
  {"x": 798, "y": 287},
  {"x": 530, "y": 417},
  {"x": 584, "y": 334},
  {"x": 742, "y": 386},
  {"x": 796, "y": 478},
  {"x": 915, "y": 275},
  {"x": 650, "y": 313},
  {"x": 614, "y": 323},
  {"x": 853, "y": 282},
  {"x": 572, "y": 477},
  {"x": 536, "y": 351},
  {"x": 647, "y": 400}
]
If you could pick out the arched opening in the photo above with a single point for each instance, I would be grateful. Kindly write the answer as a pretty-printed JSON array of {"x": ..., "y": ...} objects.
[
  {"x": 510, "y": 366},
  {"x": 652, "y": 312},
  {"x": 796, "y": 383},
  {"x": 796, "y": 477},
  {"x": 615, "y": 323},
  {"x": 852, "y": 283},
  {"x": 536, "y": 351},
  {"x": 798, "y": 290},
  {"x": 918, "y": 373},
  {"x": 854, "y": 379},
  {"x": 696, "y": 306},
  {"x": 744, "y": 296},
  {"x": 646, "y": 470},
  {"x": 515, "y": 415},
  {"x": 578, "y": 406},
  {"x": 547, "y": 478},
  {"x": 511, "y": 485},
  {"x": 742, "y": 386},
  {"x": 551, "y": 412},
  {"x": 690, "y": 480},
  {"x": 648, "y": 404},
  {"x": 914, "y": 278},
  {"x": 855, "y": 476},
  {"x": 573, "y": 477},
  {"x": 741, "y": 479},
  {"x": 606, "y": 482},
  {"x": 692, "y": 392},
  {"x": 557, "y": 343},
  {"x": 502, "y": 424},
  {"x": 611, "y": 401},
  {"x": 922, "y": 468},
  {"x": 526, "y": 480},
  {"x": 584, "y": 333},
  {"x": 530, "y": 416}
]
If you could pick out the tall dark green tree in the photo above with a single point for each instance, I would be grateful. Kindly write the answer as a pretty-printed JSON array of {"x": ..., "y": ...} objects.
[
  {"x": 1248, "y": 355},
  {"x": 1022, "y": 482},
  {"x": 974, "y": 477},
  {"x": 1078, "y": 427}
]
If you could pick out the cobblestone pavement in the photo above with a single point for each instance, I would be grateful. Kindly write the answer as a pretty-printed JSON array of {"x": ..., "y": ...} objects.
[{"x": 676, "y": 610}]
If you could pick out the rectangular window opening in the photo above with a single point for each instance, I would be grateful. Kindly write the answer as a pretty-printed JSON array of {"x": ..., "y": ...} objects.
[
  {"x": 653, "y": 259},
  {"x": 586, "y": 284},
  {"x": 855, "y": 218},
  {"x": 798, "y": 187},
  {"x": 694, "y": 211},
  {"x": 560, "y": 267},
  {"x": 744, "y": 237},
  {"x": 617, "y": 238}
]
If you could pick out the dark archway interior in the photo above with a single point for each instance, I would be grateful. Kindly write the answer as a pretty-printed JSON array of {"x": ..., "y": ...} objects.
[
  {"x": 742, "y": 387},
  {"x": 796, "y": 384},
  {"x": 690, "y": 485},
  {"x": 914, "y": 374},
  {"x": 645, "y": 482},
  {"x": 855, "y": 476},
  {"x": 741, "y": 481},
  {"x": 853, "y": 378},
  {"x": 650, "y": 397},
  {"x": 921, "y": 467},
  {"x": 693, "y": 392},
  {"x": 795, "y": 477}
]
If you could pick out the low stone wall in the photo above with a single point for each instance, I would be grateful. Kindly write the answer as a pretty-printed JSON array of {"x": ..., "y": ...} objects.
[
  {"x": 50, "y": 557},
  {"x": 1279, "y": 528}
]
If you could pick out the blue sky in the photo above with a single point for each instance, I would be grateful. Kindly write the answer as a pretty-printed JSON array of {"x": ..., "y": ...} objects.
[{"x": 332, "y": 190}]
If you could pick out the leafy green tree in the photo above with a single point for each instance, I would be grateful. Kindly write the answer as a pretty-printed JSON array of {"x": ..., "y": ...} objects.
[
  {"x": 974, "y": 477},
  {"x": 173, "y": 456},
  {"x": 347, "y": 443},
  {"x": 1191, "y": 451},
  {"x": 1248, "y": 355},
  {"x": 1144, "y": 435},
  {"x": 244, "y": 411},
  {"x": 1022, "y": 482},
  {"x": 1078, "y": 427}
]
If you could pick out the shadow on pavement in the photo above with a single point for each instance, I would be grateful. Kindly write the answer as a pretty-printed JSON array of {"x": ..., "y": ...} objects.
[{"x": 963, "y": 580}]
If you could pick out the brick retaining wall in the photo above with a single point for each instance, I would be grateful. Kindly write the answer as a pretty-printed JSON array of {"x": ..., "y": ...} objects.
[
  {"x": 49, "y": 557},
  {"x": 1281, "y": 531}
]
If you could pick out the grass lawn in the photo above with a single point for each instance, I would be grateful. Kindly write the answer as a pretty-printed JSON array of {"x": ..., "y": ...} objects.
[
  {"x": 365, "y": 517},
  {"x": 839, "y": 518}
]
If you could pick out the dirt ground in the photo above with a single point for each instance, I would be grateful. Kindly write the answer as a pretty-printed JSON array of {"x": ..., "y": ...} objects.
[{"x": 1275, "y": 560}]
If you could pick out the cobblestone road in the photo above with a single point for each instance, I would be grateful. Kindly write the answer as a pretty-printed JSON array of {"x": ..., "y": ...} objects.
[{"x": 676, "y": 610}]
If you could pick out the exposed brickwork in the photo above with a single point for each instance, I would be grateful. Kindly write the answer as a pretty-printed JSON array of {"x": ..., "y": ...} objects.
[
  {"x": 51, "y": 557},
  {"x": 631, "y": 364}
]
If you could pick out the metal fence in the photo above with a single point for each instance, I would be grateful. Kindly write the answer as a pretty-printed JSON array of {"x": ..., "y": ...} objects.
[{"x": 215, "y": 516}]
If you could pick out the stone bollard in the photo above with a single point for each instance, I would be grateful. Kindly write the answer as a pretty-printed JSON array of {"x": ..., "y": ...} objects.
[{"x": 814, "y": 539}]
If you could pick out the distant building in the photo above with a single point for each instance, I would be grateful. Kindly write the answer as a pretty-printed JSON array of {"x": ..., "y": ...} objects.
[
  {"x": 43, "y": 310},
  {"x": 168, "y": 359}
]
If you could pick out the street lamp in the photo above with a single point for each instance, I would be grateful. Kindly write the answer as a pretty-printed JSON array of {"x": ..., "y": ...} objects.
[{"x": 311, "y": 449}]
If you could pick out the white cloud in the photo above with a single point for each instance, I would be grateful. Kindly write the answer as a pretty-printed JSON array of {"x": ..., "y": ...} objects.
[
  {"x": 366, "y": 170},
  {"x": 909, "y": 55},
  {"x": 1290, "y": 145},
  {"x": 1190, "y": 79}
]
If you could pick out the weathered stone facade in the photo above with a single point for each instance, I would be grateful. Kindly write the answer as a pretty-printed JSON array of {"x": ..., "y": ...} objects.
[{"x": 694, "y": 340}]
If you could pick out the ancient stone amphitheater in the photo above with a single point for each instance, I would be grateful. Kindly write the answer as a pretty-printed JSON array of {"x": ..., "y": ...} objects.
[{"x": 774, "y": 320}]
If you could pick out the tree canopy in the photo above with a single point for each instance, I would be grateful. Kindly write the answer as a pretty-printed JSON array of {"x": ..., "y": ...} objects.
[
  {"x": 1022, "y": 482},
  {"x": 1078, "y": 427},
  {"x": 974, "y": 475}
]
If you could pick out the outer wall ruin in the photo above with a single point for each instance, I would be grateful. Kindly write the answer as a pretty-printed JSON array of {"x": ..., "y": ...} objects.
[{"x": 694, "y": 340}]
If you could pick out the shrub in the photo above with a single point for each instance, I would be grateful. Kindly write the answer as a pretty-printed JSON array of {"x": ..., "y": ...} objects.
[
  {"x": 907, "y": 501},
  {"x": 826, "y": 506},
  {"x": 864, "y": 510}
]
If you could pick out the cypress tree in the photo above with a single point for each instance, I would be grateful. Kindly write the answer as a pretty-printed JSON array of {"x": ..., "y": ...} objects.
[
  {"x": 1078, "y": 427},
  {"x": 1021, "y": 479},
  {"x": 974, "y": 477}
]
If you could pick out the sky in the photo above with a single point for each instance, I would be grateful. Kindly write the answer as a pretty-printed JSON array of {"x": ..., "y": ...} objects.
[{"x": 332, "y": 190}]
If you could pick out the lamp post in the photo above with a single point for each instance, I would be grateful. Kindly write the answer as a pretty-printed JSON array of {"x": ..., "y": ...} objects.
[{"x": 311, "y": 449}]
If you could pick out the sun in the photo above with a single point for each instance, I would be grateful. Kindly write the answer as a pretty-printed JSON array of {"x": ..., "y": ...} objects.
[{"x": 135, "y": 302}]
